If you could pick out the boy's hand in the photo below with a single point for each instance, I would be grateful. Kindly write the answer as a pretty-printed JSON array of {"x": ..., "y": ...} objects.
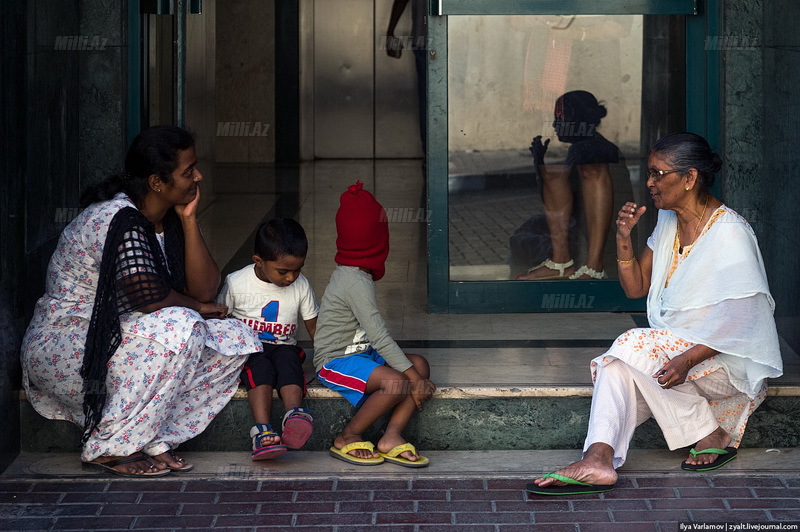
[{"x": 421, "y": 391}]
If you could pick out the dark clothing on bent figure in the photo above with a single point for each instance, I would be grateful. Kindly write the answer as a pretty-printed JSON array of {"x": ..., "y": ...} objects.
[{"x": 530, "y": 243}]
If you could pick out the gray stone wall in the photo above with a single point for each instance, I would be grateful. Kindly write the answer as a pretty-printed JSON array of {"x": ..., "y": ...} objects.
[
  {"x": 762, "y": 140},
  {"x": 743, "y": 89},
  {"x": 63, "y": 120},
  {"x": 75, "y": 123},
  {"x": 12, "y": 160},
  {"x": 780, "y": 180}
]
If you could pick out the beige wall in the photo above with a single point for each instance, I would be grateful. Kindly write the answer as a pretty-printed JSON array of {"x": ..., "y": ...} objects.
[
  {"x": 496, "y": 62},
  {"x": 245, "y": 80}
]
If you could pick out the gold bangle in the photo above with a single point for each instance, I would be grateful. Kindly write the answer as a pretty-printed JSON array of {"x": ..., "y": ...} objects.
[{"x": 630, "y": 261}]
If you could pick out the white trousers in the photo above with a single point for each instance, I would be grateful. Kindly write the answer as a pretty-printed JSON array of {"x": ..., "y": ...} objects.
[{"x": 624, "y": 398}]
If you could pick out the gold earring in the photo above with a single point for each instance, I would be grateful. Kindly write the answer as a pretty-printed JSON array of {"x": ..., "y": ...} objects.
[{"x": 688, "y": 188}]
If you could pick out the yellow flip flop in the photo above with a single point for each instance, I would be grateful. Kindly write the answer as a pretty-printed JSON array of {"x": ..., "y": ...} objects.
[
  {"x": 394, "y": 457},
  {"x": 341, "y": 454}
]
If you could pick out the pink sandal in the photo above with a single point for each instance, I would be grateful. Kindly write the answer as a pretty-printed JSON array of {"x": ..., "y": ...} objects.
[{"x": 298, "y": 424}]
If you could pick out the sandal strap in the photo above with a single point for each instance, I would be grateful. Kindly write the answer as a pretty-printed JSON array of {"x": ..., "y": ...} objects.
[
  {"x": 297, "y": 412},
  {"x": 591, "y": 272},
  {"x": 175, "y": 456},
  {"x": 558, "y": 266},
  {"x": 397, "y": 451},
  {"x": 368, "y": 445},
  {"x": 143, "y": 457},
  {"x": 262, "y": 430},
  {"x": 566, "y": 480},
  {"x": 128, "y": 460},
  {"x": 710, "y": 450}
]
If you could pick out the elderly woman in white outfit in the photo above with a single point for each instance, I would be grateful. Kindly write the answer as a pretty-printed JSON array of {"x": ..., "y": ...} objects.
[{"x": 701, "y": 369}]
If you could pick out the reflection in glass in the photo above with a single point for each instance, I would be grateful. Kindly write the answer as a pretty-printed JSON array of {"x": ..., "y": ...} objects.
[
  {"x": 546, "y": 134},
  {"x": 585, "y": 184}
]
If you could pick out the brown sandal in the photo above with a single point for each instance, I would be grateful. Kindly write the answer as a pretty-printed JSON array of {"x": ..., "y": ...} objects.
[
  {"x": 185, "y": 466},
  {"x": 108, "y": 467}
]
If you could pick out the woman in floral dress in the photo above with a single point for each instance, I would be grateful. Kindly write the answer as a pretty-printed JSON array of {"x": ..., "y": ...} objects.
[{"x": 123, "y": 342}]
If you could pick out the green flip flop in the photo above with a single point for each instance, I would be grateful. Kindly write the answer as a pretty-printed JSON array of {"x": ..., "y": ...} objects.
[
  {"x": 725, "y": 455},
  {"x": 574, "y": 487}
]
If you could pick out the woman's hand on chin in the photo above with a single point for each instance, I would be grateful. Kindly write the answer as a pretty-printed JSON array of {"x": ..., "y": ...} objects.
[{"x": 189, "y": 210}]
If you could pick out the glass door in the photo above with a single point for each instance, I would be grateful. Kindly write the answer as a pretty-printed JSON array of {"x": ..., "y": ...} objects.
[{"x": 540, "y": 125}]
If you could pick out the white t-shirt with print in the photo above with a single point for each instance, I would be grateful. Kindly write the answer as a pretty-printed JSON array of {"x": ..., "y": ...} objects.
[{"x": 270, "y": 310}]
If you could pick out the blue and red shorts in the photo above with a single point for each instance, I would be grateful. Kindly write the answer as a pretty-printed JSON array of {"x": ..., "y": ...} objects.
[{"x": 349, "y": 375}]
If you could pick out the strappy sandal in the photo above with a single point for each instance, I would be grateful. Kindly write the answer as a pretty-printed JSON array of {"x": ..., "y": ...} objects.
[
  {"x": 558, "y": 266},
  {"x": 185, "y": 466},
  {"x": 265, "y": 452},
  {"x": 108, "y": 467},
  {"x": 297, "y": 426},
  {"x": 585, "y": 270}
]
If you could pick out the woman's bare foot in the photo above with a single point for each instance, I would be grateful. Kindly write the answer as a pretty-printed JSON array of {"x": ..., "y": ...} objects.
[
  {"x": 719, "y": 439},
  {"x": 390, "y": 441},
  {"x": 142, "y": 466},
  {"x": 172, "y": 461},
  {"x": 342, "y": 440},
  {"x": 595, "y": 468}
]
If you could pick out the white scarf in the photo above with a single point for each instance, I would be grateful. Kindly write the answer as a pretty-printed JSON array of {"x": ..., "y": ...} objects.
[{"x": 718, "y": 297}]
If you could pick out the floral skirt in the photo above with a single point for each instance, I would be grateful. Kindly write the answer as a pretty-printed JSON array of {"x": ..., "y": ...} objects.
[{"x": 171, "y": 375}]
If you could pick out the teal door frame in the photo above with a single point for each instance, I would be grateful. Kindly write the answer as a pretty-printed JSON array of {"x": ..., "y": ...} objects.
[
  {"x": 702, "y": 117},
  {"x": 138, "y": 10},
  {"x": 135, "y": 89}
]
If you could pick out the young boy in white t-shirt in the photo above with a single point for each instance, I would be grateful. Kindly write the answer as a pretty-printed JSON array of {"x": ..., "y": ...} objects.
[{"x": 268, "y": 296}]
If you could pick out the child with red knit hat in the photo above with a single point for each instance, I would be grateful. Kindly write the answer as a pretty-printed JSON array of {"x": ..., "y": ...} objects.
[{"x": 353, "y": 351}]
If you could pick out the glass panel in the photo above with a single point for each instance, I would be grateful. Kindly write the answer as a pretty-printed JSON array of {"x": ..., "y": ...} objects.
[
  {"x": 160, "y": 70},
  {"x": 584, "y": 96}
]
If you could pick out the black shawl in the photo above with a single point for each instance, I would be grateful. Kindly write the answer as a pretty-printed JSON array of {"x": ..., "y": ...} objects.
[{"x": 133, "y": 273}]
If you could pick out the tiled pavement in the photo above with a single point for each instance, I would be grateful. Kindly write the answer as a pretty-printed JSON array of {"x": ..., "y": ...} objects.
[
  {"x": 652, "y": 494},
  {"x": 480, "y": 236},
  {"x": 639, "y": 503}
]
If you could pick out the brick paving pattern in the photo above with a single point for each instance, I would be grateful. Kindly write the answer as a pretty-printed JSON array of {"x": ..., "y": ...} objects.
[
  {"x": 481, "y": 223},
  {"x": 640, "y": 503}
]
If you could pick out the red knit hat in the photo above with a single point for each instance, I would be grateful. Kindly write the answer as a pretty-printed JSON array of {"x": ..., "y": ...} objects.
[{"x": 363, "y": 231}]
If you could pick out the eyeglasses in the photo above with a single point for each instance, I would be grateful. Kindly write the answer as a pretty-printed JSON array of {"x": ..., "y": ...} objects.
[{"x": 656, "y": 175}]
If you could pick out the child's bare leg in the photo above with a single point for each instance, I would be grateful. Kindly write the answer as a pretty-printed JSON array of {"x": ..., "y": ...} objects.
[
  {"x": 260, "y": 399},
  {"x": 382, "y": 387},
  {"x": 291, "y": 395},
  {"x": 401, "y": 415}
]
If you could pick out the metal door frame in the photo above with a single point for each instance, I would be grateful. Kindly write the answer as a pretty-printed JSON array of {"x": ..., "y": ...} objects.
[
  {"x": 137, "y": 58},
  {"x": 703, "y": 98}
]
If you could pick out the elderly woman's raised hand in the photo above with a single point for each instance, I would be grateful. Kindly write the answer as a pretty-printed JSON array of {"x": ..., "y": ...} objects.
[
  {"x": 628, "y": 217},
  {"x": 538, "y": 149}
]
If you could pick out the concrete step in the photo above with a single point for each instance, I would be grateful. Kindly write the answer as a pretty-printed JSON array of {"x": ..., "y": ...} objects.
[
  {"x": 463, "y": 418},
  {"x": 309, "y": 465}
]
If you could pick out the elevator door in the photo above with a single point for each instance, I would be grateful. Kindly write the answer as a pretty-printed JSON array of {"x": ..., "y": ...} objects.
[{"x": 363, "y": 103}]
